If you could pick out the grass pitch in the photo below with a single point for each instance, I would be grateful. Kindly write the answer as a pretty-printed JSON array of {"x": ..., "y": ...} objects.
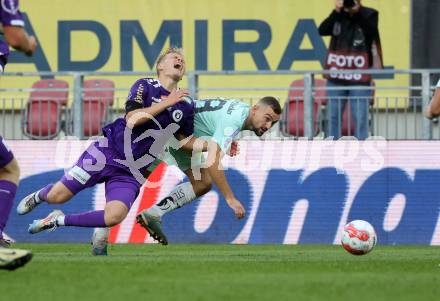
[{"x": 65, "y": 272}]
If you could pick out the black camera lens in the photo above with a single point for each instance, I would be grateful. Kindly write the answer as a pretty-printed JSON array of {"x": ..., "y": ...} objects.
[{"x": 349, "y": 3}]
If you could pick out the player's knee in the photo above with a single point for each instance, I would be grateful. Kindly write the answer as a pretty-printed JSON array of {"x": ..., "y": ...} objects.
[
  {"x": 114, "y": 218},
  {"x": 11, "y": 171},
  {"x": 206, "y": 185},
  {"x": 13, "y": 167},
  {"x": 202, "y": 187}
]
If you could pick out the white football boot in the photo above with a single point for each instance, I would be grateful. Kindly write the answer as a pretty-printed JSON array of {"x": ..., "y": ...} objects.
[
  {"x": 28, "y": 203},
  {"x": 47, "y": 223},
  {"x": 10, "y": 259},
  {"x": 100, "y": 241}
]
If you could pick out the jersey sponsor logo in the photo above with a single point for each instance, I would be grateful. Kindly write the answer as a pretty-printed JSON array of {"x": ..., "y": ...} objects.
[
  {"x": 9, "y": 6},
  {"x": 79, "y": 174},
  {"x": 232, "y": 107},
  {"x": 17, "y": 23},
  {"x": 177, "y": 115},
  {"x": 139, "y": 92}
]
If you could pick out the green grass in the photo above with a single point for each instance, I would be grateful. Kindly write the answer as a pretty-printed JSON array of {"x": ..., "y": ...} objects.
[{"x": 64, "y": 272}]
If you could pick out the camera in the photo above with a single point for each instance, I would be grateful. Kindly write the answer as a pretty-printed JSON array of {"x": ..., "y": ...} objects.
[{"x": 349, "y": 3}]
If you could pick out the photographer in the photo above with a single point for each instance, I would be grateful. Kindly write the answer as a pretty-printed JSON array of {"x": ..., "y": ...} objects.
[{"x": 354, "y": 45}]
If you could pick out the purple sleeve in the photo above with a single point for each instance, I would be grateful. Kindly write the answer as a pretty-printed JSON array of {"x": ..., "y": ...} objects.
[
  {"x": 10, "y": 15},
  {"x": 187, "y": 124},
  {"x": 139, "y": 94}
]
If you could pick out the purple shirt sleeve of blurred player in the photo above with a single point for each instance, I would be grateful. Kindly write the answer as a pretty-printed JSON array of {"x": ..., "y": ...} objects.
[
  {"x": 139, "y": 94},
  {"x": 187, "y": 125},
  {"x": 10, "y": 15}
]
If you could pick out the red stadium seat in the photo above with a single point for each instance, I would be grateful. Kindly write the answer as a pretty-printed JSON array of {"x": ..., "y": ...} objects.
[
  {"x": 294, "y": 114},
  {"x": 297, "y": 90},
  {"x": 295, "y": 117},
  {"x": 98, "y": 98},
  {"x": 43, "y": 115},
  {"x": 99, "y": 89}
]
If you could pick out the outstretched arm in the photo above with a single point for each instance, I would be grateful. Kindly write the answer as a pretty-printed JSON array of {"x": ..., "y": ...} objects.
[
  {"x": 218, "y": 176},
  {"x": 18, "y": 38}
]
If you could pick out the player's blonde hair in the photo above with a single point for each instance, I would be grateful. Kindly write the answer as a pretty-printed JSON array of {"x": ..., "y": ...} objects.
[{"x": 165, "y": 53}]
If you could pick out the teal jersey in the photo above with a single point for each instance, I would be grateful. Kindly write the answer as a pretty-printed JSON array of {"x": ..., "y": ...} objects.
[
  {"x": 215, "y": 119},
  {"x": 220, "y": 120}
]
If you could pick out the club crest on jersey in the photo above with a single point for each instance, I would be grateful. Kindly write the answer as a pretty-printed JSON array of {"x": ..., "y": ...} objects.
[{"x": 177, "y": 115}]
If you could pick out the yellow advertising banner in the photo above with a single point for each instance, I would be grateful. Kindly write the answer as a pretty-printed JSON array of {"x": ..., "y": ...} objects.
[{"x": 227, "y": 35}]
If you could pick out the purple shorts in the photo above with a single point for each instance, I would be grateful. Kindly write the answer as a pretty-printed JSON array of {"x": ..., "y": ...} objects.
[
  {"x": 6, "y": 155},
  {"x": 96, "y": 165}
]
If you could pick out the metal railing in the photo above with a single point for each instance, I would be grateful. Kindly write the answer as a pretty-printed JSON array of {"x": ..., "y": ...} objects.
[{"x": 395, "y": 111}]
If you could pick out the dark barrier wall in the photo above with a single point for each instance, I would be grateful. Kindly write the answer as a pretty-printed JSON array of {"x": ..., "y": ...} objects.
[
  {"x": 425, "y": 43},
  {"x": 425, "y": 34}
]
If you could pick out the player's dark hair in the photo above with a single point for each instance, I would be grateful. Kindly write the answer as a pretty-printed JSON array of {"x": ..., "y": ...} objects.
[{"x": 272, "y": 102}]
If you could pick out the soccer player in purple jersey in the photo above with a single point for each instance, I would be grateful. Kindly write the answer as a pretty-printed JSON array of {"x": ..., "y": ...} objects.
[
  {"x": 156, "y": 111},
  {"x": 11, "y": 25}
]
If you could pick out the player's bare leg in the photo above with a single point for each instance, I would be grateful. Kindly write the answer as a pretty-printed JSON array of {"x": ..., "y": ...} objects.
[
  {"x": 52, "y": 193},
  {"x": 181, "y": 195}
]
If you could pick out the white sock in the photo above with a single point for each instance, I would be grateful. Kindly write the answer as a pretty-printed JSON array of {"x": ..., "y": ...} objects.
[
  {"x": 181, "y": 195},
  {"x": 37, "y": 197},
  {"x": 60, "y": 220}
]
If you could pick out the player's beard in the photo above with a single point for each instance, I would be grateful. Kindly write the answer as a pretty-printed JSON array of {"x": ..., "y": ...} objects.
[{"x": 259, "y": 132}]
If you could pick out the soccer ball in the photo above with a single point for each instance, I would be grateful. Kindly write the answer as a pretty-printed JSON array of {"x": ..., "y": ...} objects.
[{"x": 358, "y": 237}]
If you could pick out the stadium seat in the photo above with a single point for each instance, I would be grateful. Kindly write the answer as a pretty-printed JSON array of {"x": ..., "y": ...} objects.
[
  {"x": 98, "y": 97},
  {"x": 294, "y": 114},
  {"x": 42, "y": 118}
]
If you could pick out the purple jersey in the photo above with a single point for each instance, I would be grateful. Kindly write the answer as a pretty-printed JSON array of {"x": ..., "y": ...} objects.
[
  {"x": 6, "y": 155},
  {"x": 147, "y": 141},
  {"x": 10, "y": 15}
]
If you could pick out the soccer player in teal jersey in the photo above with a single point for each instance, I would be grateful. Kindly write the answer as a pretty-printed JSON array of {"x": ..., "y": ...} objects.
[{"x": 218, "y": 121}]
